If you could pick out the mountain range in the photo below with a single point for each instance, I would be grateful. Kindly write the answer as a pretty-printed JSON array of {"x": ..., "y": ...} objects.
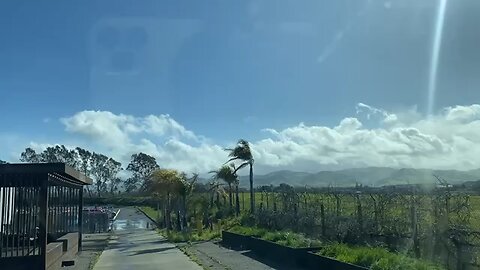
[{"x": 372, "y": 176}]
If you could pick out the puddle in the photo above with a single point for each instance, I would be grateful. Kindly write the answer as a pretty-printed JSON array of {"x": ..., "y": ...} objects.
[{"x": 127, "y": 224}]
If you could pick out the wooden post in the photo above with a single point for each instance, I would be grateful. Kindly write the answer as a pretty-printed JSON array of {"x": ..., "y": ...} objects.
[
  {"x": 359, "y": 214},
  {"x": 80, "y": 218},
  {"x": 43, "y": 217},
  {"x": 413, "y": 217},
  {"x": 322, "y": 216},
  {"x": 243, "y": 201}
]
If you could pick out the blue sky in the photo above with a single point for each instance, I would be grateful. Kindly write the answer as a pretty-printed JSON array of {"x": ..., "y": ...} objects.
[{"x": 225, "y": 70}]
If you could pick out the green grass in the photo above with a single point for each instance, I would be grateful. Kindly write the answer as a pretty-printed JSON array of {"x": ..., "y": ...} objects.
[
  {"x": 193, "y": 257},
  {"x": 375, "y": 258},
  {"x": 94, "y": 260},
  {"x": 285, "y": 238},
  {"x": 150, "y": 212},
  {"x": 190, "y": 236}
]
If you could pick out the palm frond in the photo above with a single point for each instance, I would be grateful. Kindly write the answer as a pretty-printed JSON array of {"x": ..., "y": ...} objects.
[
  {"x": 231, "y": 159},
  {"x": 241, "y": 166}
]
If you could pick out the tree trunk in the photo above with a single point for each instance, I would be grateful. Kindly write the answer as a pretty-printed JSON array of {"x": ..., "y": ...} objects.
[
  {"x": 184, "y": 210},
  {"x": 158, "y": 211},
  {"x": 243, "y": 200},
  {"x": 179, "y": 221},
  {"x": 252, "y": 194},
  {"x": 169, "y": 211},
  {"x": 237, "y": 201},
  {"x": 230, "y": 198},
  {"x": 89, "y": 192},
  {"x": 165, "y": 212},
  {"x": 211, "y": 200}
]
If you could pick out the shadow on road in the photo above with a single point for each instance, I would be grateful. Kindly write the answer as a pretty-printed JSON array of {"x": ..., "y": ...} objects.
[
  {"x": 273, "y": 264},
  {"x": 148, "y": 251}
]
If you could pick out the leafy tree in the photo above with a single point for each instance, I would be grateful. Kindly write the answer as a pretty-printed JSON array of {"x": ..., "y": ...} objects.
[
  {"x": 30, "y": 156},
  {"x": 166, "y": 182},
  {"x": 243, "y": 152},
  {"x": 141, "y": 166},
  {"x": 112, "y": 168},
  {"x": 105, "y": 170},
  {"x": 84, "y": 160},
  {"x": 114, "y": 185},
  {"x": 59, "y": 153}
]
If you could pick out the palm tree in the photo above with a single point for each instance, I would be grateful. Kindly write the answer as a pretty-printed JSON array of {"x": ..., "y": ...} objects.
[
  {"x": 237, "y": 199},
  {"x": 226, "y": 174},
  {"x": 216, "y": 190},
  {"x": 185, "y": 189},
  {"x": 236, "y": 183},
  {"x": 243, "y": 152}
]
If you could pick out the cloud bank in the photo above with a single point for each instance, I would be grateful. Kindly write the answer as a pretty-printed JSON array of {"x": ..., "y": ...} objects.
[{"x": 449, "y": 140}]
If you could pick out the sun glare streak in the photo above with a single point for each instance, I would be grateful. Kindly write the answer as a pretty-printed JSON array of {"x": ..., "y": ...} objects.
[{"x": 434, "y": 58}]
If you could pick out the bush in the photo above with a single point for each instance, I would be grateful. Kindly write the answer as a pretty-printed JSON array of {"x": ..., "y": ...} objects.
[
  {"x": 285, "y": 238},
  {"x": 190, "y": 236},
  {"x": 375, "y": 258}
]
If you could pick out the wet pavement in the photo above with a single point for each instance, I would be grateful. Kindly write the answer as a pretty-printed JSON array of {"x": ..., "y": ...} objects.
[
  {"x": 134, "y": 245},
  {"x": 215, "y": 257}
]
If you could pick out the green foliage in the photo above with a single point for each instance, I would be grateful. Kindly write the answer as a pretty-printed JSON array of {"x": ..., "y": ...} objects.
[
  {"x": 190, "y": 236},
  {"x": 150, "y": 212},
  {"x": 241, "y": 151},
  {"x": 286, "y": 238},
  {"x": 375, "y": 258},
  {"x": 141, "y": 166}
]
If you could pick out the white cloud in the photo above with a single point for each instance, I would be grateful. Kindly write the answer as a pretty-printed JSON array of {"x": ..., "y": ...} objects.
[
  {"x": 449, "y": 140},
  {"x": 401, "y": 139},
  {"x": 160, "y": 136},
  {"x": 109, "y": 128}
]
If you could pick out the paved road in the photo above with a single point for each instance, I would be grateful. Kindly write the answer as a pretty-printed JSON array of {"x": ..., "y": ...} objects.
[
  {"x": 134, "y": 245},
  {"x": 216, "y": 257}
]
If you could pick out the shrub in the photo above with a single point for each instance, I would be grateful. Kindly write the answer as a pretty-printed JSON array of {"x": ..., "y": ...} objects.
[
  {"x": 286, "y": 238},
  {"x": 375, "y": 258}
]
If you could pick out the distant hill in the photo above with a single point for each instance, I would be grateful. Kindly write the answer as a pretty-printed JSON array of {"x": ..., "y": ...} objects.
[{"x": 372, "y": 176}]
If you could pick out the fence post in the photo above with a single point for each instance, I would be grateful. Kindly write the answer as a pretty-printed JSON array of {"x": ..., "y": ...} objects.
[
  {"x": 360, "y": 214},
  {"x": 322, "y": 216},
  {"x": 243, "y": 201},
  {"x": 42, "y": 218},
  {"x": 80, "y": 218},
  {"x": 413, "y": 217}
]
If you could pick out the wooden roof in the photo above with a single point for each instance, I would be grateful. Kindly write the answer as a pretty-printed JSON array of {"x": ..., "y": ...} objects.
[{"x": 46, "y": 168}]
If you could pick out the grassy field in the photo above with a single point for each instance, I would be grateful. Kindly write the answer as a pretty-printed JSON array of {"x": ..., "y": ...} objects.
[{"x": 401, "y": 208}]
